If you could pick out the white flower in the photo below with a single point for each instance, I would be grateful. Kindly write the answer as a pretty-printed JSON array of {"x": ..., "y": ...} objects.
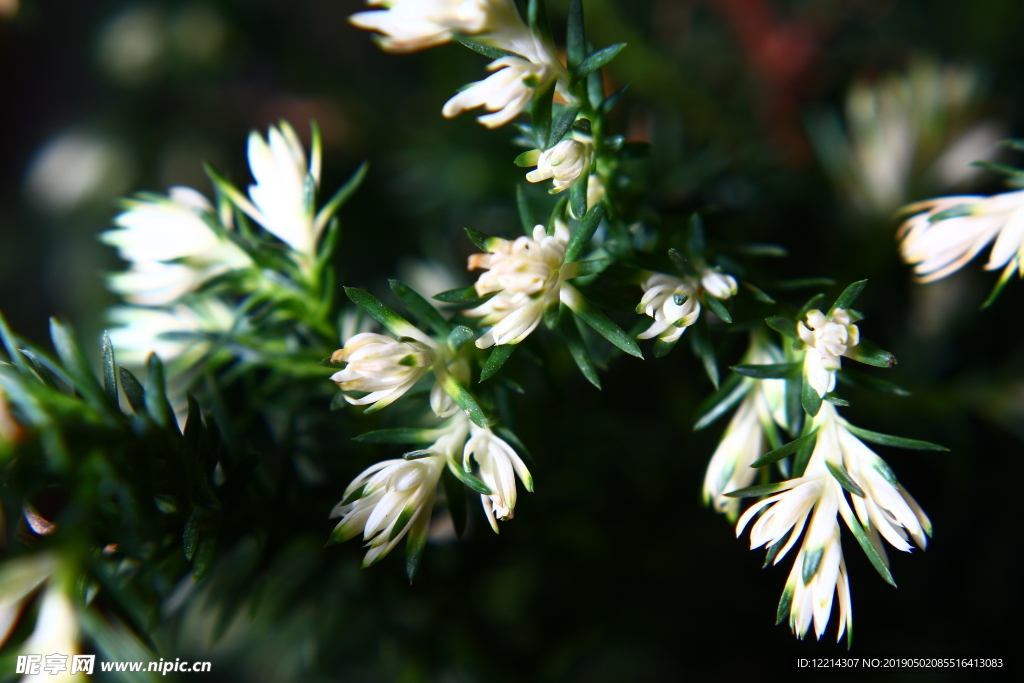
[
  {"x": 381, "y": 365},
  {"x": 719, "y": 285},
  {"x": 178, "y": 332},
  {"x": 410, "y": 25},
  {"x": 595, "y": 191},
  {"x": 278, "y": 165},
  {"x": 498, "y": 464},
  {"x": 744, "y": 439},
  {"x": 811, "y": 600},
  {"x": 564, "y": 164},
  {"x": 673, "y": 304},
  {"x": 171, "y": 248},
  {"x": 387, "y": 501},
  {"x": 441, "y": 402},
  {"x": 827, "y": 338},
  {"x": 505, "y": 93},
  {"x": 886, "y": 508},
  {"x": 950, "y": 231},
  {"x": 819, "y": 570},
  {"x": 526, "y": 274}
]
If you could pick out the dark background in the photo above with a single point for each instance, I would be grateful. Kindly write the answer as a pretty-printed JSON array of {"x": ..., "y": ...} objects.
[{"x": 612, "y": 570}]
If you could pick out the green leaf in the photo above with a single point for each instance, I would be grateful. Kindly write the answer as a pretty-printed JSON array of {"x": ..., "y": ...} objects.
[
  {"x": 420, "y": 307},
  {"x": 204, "y": 558},
  {"x": 794, "y": 407},
  {"x": 613, "y": 99},
  {"x": 879, "y": 563},
  {"x": 813, "y": 302},
  {"x": 459, "y": 295},
  {"x": 109, "y": 376},
  {"x": 403, "y": 520},
  {"x": 848, "y": 296},
  {"x": 601, "y": 324},
  {"x": 1004, "y": 277},
  {"x": 682, "y": 264},
  {"x": 156, "y": 394},
  {"x": 584, "y": 232},
  {"x": 563, "y": 121},
  {"x": 662, "y": 348},
  {"x": 696, "y": 244},
  {"x": 455, "y": 493},
  {"x": 578, "y": 196},
  {"x": 812, "y": 560},
  {"x": 190, "y": 537},
  {"x": 584, "y": 268},
  {"x": 527, "y": 159},
  {"x": 341, "y": 196},
  {"x": 894, "y": 441},
  {"x": 488, "y": 51},
  {"x": 844, "y": 479},
  {"x": 575, "y": 35},
  {"x": 537, "y": 18},
  {"x": 787, "y": 450},
  {"x": 810, "y": 400},
  {"x": 803, "y": 456},
  {"x": 460, "y": 395},
  {"x": 133, "y": 391},
  {"x": 459, "y": 335},
  {"x": 481, "y": 239},
  {"x": 769, "y": 370},
  {"x": 552, "y": 314},
  {"x": 399, "y": 435},
  {"x": 865, "y": 381},
  {"x": 785, "y": 604},
  {"x": 783, "y": 325},
  {"x": 700, "y": 340},
  {"x": 757, "y": 491},
  {"x": 596, "y": 61},
  {"x": 759, "y": 293},
  {"x": 526, "y": 217},
  {"x": 387, "y": 317},
  {"x": 541, "y": 114},
  {"x": 468, "y": 479},
  {"x": 578, "y": 350},
  {"x": 76, "y": 365},
  {"x": 835, "y": 400},
  {"x": 731, "y": 392},
  {"x": 717, "y": 307},
  {"x": 1011, "y": 171},
  {"x": 498, "y": 356},
  {"x": 869, "y": 354},
  {"x": 556, "y": 213},
  {"x": 415, "y": 542}
]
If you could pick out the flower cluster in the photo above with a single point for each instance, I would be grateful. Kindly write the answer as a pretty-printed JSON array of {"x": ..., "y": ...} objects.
[
  {"x": 826, "y": 339},
  {"x": 950, "y": 231},
  {"x": 674, "y": 302},
  {"x": 881, "y": 509},
  {"x": 524, "y": 275},
  {"x": 529, "y": 62}
]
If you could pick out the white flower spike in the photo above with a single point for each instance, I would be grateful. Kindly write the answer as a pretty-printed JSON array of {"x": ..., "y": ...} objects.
[
  {"x": 826, "y": 339},
  {"x": 383, "y": 366},
  {"x": 563, "y": 164},
  {"x": 171, "y": 248},
  {"x": 499, "y": 464},
  {"x": 950, "y": 231},
  {"x": 744, "y": 439},
  {"x": 387, "y": 501},
  {"x": 279, "y": 195},
  {"x": 526, "y": 274}
]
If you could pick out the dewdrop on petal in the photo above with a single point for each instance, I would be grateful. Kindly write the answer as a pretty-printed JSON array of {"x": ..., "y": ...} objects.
[
  {"x": 826, "y": 339},
  {"x": 563, "y": 164},
  {"x": 382, "y": 366},
  {"x": 673, "y": 304}
]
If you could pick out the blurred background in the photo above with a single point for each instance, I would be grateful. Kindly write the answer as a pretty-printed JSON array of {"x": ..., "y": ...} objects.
[{"x": 803, "y": 123}]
